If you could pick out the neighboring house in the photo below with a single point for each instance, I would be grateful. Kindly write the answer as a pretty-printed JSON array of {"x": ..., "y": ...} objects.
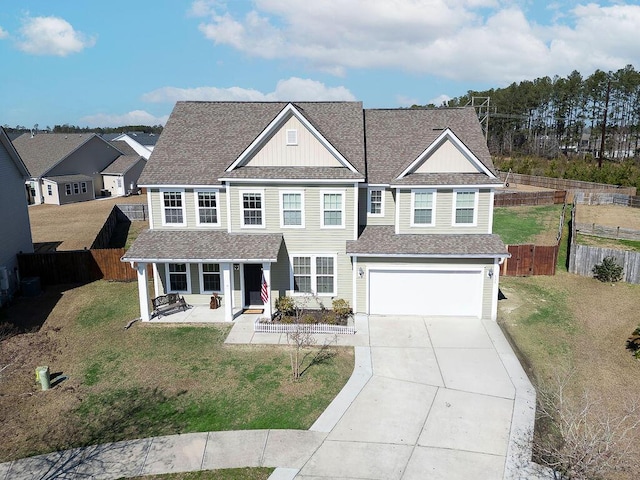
[
  {"x": 142, "y": 143},
  {"x": 121, "y": 177},
  {"x": 65, "y": 167},
  {"x": 391, "y": 210},
  {"x": 14, "y": 216}
]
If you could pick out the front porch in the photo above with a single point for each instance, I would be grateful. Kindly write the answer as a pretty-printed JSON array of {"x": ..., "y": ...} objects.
[{"x": 202, "y": 314}]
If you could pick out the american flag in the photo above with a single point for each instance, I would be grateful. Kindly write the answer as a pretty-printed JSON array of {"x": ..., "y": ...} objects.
[{"x": 264, "y": 291}]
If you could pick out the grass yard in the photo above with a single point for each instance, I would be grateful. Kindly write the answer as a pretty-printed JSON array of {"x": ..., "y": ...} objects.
[
  {"x": 226, "y": 474},
  {"x": 527, "y": 224},
  {"x": 570, "y": 323},
  {"x": 148, "y": 380}
]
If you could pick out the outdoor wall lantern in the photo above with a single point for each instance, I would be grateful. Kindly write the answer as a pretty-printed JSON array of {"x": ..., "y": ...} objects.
[
  {"x": 236, "y": 267},
  {"x": 490, "y": 273},
  {"x": 360, "y": 272}
]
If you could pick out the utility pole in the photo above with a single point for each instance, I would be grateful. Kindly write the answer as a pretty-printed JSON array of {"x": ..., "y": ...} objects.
[{"x": 604, "y": 124}]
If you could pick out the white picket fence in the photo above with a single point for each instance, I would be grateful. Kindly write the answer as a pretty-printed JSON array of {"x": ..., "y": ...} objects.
[{"x": 272, "y": 327}]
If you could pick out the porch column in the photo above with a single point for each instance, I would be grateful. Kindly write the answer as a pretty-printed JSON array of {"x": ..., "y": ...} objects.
[
  {"x": 143, "y": 291},
  {"x": 228, "y": 291},
  {"x": 266, "y": 271}
]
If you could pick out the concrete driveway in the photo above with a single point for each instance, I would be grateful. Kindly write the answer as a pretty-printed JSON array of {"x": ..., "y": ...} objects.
[{"x": 446, "y": 399}]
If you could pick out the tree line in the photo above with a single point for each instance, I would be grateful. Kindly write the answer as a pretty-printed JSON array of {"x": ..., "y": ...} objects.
[
  {"x": 597, "y": 116},
  {"x": 66, "y": 128}
]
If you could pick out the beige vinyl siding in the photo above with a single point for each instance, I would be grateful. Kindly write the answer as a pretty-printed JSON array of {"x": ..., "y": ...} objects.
[
  {"x": 54, "y": 198},
  {"x": 447, "y": 158},
  {"x": 444, "y": 214},
  {"x": 189, "y": 199},
  {"x": 308, "y": 152},
  {"x": 368, "y": 262},
  {"x": 389, "y": 208}
]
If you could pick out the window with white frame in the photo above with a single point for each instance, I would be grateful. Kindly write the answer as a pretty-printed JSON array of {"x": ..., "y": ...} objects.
[
  {"x": 332, "y": 204},
  {"x": 292, "y": 137},
  {"x": 313, "y": 274},
  {"x": 207, "y": 207},
  {"x": 178, "y": 277},
  {"x": 252, "y": 209},
  {"x": 83, "y": 187},
  {"x": 422, "y": 207},
  {"x": 76, "y": 188},
  {"x": 67, "y": 189},
  {"x": 210, "y": 277},
  {"x": 376, "y": 202},
  {"x": 49, "y": 190},
  {"x": 173, "y": 207},
  {"x": 291, "y": 209},
  {"x": 465, "y": 207}
]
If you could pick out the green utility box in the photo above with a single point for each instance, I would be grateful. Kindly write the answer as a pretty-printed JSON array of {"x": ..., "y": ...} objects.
[{"x": 42, "y": 376}]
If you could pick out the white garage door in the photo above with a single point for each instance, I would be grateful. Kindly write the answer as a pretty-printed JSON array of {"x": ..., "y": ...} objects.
[{"x": 419, "y": 292}]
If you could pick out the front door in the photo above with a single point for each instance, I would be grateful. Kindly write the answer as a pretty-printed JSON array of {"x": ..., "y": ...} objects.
[{"x": 252, "y": 284}]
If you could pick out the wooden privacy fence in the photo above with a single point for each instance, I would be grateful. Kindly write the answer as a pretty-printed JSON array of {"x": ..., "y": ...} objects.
[
  {"x": 584, "y": 257},
  {"x": 563, "y": 183},
  {"x": 600, "y": 198},
  {"x": 607, "y": 232},
  {"x": 134, "y": 211},
  {"x": 76, "y": 266},
  {"x": 531, "y": 260},
  {"x": 512, "y": 199}
]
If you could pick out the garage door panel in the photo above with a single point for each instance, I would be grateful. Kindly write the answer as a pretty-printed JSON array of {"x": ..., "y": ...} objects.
[{"x": 420, "y": 292}]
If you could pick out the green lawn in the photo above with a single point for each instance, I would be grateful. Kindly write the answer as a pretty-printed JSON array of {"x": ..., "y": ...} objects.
[
  {"x": 529, "y": 224},
  {"x": 155, "y": 379},
  {"x": 227, "y": 474}
]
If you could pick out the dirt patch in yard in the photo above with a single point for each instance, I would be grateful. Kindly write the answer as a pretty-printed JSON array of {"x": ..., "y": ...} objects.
[
  {"x": 609, "y": 215},
  {"x": 73, "y": 226}
]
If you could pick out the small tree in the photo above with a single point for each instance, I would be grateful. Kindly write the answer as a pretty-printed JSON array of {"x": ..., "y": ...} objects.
[{"x": 608, "y": 270}]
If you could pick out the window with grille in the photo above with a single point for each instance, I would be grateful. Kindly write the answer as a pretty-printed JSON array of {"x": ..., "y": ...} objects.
[
  {"x": 173, "y": 211},
  {"x": 422, "y": 207},
  {"x": 332, "y": 209},
  {"x": 178, "y": 277},
  {"x": 207, "y": 208},
  {"x": 375, "y": 201},
  {"x": 67, "y": 189},
  {"x": 211, "y": 277},
  {"x": 314, "y": 274},
  {"x": 292, "y": 215},
  {"x": 465, "y": 208}
]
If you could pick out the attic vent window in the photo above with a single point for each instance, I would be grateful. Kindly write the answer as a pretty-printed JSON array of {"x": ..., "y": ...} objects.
[{"x": 292, "y": 137}]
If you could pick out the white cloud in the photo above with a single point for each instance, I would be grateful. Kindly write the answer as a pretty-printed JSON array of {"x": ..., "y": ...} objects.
[
  {"x": 52, "y": 36},
  {"x": 294, "y": 88},
  {"x": 439, "y": 100},
  {"x": 3, "y": 33},
  {"x": 135, "y": 117},
  {"x": 486, "y": 40}
]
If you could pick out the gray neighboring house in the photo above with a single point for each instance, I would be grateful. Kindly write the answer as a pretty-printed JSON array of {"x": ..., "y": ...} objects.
[
  {"x": 65, "y": 167},
  {"x": 121, "y": 177},
  {"x": 142, "y": 143},
  {"x": 14, "y": 216}
]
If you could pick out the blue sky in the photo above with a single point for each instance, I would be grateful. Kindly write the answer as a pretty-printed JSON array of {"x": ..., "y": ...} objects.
[{"x": 123, "y": 62}]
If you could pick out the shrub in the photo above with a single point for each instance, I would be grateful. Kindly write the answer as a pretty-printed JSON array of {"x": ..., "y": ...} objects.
[
  {"x": 285, "y": 306},
  {"x": 342, "y": 308},
  {"x": 308, "y": 319},
  {"x": 330, "y": 318},
  {"x": 608, "y": 270}
]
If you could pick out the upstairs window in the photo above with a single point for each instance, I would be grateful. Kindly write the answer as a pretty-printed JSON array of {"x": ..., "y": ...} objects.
[
  {"x": 332, "y": 209},
  {"x": 173, "y": 207},
  {"x": 207, "y": 207},
  {"x": 292, "y": 214},
  {"x": 376, "y": 202},
  {"x": 465, "y": 207},
  {"x": 252, "y": 209},
  {"x": 422, "y": 208}
]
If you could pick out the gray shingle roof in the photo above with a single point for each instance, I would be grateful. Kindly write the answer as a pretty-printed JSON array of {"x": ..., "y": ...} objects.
[
  {"x": 298, "y": 173},
  {"x": 202, "y": 139},
  {"x": 45, "y": 150},
  {"x": 123, "y": 146},
  {"x": 213, "y": 246},
  {"x": 382, "y": 240},
  {"x": 447, "y": 179},
  {"x": 395, "y": 138},
  {"x": 122, "y": 164},
  {"x": 69, "y": 178}
]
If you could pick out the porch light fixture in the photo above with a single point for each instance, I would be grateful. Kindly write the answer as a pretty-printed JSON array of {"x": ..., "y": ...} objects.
[
  {"x": 236, "y": 266},
  {"x": 490, "y": 273},
  {"x": 360, "y": 272}
]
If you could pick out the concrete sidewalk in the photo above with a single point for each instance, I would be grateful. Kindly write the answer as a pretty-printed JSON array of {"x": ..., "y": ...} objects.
[{"x": 429, "y": 398}]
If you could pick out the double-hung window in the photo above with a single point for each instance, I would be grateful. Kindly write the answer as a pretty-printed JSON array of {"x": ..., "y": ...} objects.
[
  {"x": 206, "y": 207},
  {"x": 422, "y": 208},
  {"x": 252, "y": 204},
  {"x": 76, "y": 189},
  {"x": 313, "y": 274},
  {"x": 465, "y": 207},
  {"x": 173, "y": 207},
  {"x": 332, "y": 205},
  {"x": 83, "y": 187},
  {"x": 376, "y": 202},
  {"x": 178, "y": 277},
  {"x": 291, "y": 209},
  {"x": 49, "y": 190},
  {"x": 210, "y": 277},
  {"x": 67, "y": 189}
]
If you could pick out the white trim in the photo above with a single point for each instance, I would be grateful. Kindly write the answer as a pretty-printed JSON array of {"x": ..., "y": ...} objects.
[
  {"x": 433, "y": 207},
  {"x": 281, "y": 193},
  {"x": 485, "y": 186},
  {"x": 182, "y": 185},
  {"x": 150, "y": 210},
  {"x": 183, "y": 201},
  {"x": 343, "y": 203},
  {"x": 227, "y": 288},
  {"x": 276, "y": 123},
  {"x": 291, "y": 137},
  {"x": 294, "y": 180},
  {"x": 197, "y": 206},
  {"x": 313, "y": 274},
  {"x": 229, "y": 223},
  {"x": 196, "y": 260},
  {"x": 201, "y": 273},
  {"x": 475, "y": 207},
  {"x": 356, "y": 211},
  {"x": 428, "y": 255},
  {"x": 494, "y": 290},
  {"x": 259, "y": 191},
  {"x": 437, "y": 143},
  {"x": 168, "y": 280},
  {"x": 491, "y": 202},
  {"x": 156, "y": 280},
  {"x": 397, "y": 222},
  {"x": 354, "y": 286},
  {"x": 382, "y": 195}
]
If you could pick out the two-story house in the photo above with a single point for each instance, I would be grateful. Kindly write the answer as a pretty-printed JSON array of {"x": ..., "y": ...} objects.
[{"x": 390, "y": 210}]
